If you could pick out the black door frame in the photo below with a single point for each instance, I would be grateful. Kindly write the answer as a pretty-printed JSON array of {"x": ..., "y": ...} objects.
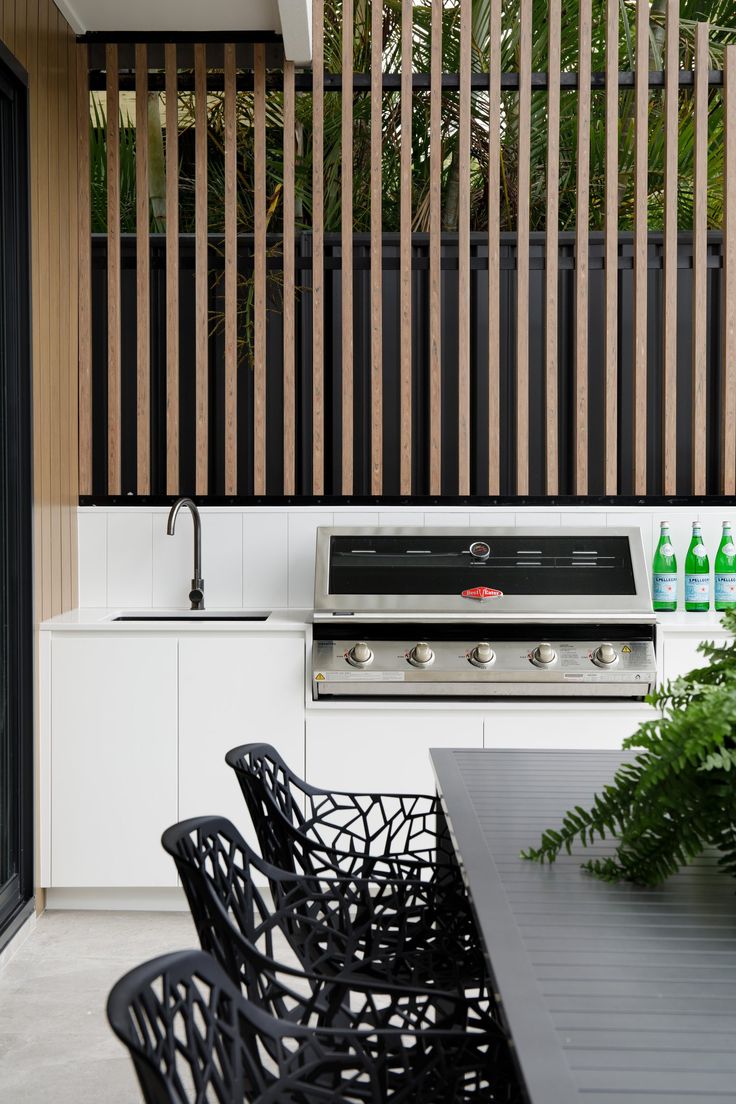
[{"x": 16, "y": 897}]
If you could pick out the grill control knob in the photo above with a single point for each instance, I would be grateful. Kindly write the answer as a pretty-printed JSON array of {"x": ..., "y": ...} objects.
[
  {"x": 421, "y": 655},
  {"x": 482, "y": 654},
  {"x": 543, "y": 655},
  {"x": 360, "y": 654},
  {"x": 605, "y": 655}
]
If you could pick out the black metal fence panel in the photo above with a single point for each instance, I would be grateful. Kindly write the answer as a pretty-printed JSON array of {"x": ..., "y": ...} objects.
[{"x": 420, "y": 365}]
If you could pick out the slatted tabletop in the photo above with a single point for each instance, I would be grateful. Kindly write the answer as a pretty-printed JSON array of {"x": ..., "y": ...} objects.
[{"x": 613, "y": 994}]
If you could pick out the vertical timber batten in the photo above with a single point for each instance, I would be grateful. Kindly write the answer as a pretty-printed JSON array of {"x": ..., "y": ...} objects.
[
  {"x": 405, "y": 254},
  {"x": 113, "y": 273},
  {"x": 289, "y": 283},
  {"x": 346, "y": 245},
  {"x": 231, "y": 273},
  {"x": 700, "y": 259},
  {"x": 522, "y": 250},
  {"x": 641, "y": 159},
  {"x": 582, "y": 208},
  {"x": 318, "y": 249},
  {"x": 85, "y": 274},
  {"x": 610, "y": 415},
  {"x": 463, "y": 429},
  {"x": 669, "y": 263},
  {"x": 728, "y": 415},
  {"x": 494, "y": 248},
  {"x": 435, "y": 233},
  {"x": 551, "y": 278},
  {"x": 172, "y": 271},
  {"x": 259, "y": 270},
  {"x": 376, "y": 249},
  {"x": 143, "y": 275},
  {"x": 201, "y": 279}
]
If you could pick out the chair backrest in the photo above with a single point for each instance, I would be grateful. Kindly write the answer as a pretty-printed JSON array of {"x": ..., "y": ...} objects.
[
  {"x": 268, "y": 784},
  {"x": 333, "y": 923},
  {"x": 194, "y": 1040}
]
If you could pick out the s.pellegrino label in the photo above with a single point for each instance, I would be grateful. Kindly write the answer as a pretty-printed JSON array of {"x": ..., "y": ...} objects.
[
  {"x": 664, "y": 572},
  {"x": 725, "y": 571}
]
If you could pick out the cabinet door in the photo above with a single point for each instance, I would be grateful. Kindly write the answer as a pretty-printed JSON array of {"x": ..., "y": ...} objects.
[
  {"x": 235, "y": 690},
  {"x": 382, "y": 752},
  {"x": 113, "y": 759},
  {"x": 604, "y": 725},
  {"x": 681, "y": 655}
]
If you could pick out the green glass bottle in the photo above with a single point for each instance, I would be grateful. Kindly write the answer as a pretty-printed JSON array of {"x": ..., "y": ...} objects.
[
  {"x": 664, "y": 572},
  {"x": 697, "y": 573},
  {"x": 725, "y": 571}
]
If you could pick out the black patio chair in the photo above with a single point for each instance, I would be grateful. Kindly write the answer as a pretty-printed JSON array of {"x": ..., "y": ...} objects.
[
  {"x": 372, "y": 835},
  {"x": 381, "y": 930},
  {"x": 447, "y": 1045},
  {"x": 193, "y": 1039}
]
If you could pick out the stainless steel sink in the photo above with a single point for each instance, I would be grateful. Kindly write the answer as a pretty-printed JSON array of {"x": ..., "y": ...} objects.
[{"x": 194, "y": 615}]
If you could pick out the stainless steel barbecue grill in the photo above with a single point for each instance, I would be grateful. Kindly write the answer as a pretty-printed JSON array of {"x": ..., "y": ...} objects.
[{"x": 482, "y": 613}]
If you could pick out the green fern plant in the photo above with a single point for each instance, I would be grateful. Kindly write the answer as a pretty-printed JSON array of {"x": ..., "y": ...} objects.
[{"x": 678, "y": 796}]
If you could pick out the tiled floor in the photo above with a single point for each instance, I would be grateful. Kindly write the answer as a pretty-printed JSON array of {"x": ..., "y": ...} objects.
[{"x": 55, "y": 1043}]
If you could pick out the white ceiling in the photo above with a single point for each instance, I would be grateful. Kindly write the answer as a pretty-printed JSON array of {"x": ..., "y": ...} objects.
[{"x": 290, "y": 18}]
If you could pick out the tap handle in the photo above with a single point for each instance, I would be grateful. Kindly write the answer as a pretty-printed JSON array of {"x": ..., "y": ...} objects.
[{"x": 196, "y": 594}]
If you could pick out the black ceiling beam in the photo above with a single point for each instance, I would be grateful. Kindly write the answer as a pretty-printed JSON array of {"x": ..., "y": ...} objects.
[{"x": 93, "y": 37}]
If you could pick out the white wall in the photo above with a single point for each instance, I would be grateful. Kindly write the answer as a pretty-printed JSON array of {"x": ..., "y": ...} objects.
[{"x": 264, "y": 558}]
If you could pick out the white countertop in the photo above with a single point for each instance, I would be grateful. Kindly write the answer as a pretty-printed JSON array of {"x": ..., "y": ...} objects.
[
  {"x": 282, "y": 620},
  {"x": 103, "y": 620}
]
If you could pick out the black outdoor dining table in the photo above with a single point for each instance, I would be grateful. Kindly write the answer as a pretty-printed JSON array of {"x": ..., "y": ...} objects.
[{"x": 612, "y": 994}]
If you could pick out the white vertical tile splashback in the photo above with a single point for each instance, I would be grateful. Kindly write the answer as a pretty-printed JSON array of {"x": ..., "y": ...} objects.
[
  {"x": 92, "y": 559},
  {"x": 264, "y": 558},
  {"x": 173, "y": 561},
  {"x": 302, "y": 543},
  {"x": 222, "y": 559},
  {"x": 129, "y": 558}
]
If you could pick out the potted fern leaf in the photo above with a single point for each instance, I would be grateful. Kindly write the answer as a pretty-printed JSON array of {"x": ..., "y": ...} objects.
[{"x": 678, "y": 796}]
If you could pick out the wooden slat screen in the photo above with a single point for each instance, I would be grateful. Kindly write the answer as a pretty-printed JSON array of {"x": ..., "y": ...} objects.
[{"x": 420, "y": 282}]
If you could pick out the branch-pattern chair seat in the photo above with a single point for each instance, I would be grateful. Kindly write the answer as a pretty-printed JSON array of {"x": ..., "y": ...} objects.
[
  {"x": 381, "y": 930},
  {"x": 194, "y": 1039},
  {"x": 454, "y": 1037}
]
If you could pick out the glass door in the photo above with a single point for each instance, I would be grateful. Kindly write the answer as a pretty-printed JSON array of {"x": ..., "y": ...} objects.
[{"x": 16, "y": 609}]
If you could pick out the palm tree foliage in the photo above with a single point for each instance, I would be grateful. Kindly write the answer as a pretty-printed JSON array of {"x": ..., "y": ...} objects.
[{"x": 720, "y": 14}]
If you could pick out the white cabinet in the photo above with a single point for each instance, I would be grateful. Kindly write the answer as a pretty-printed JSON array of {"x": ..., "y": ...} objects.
[
  {"x": 602, "y": 725},
  {"x": 379, "y": 751},
  {"x": 113, "y": 759},
  {"x": 680, "y": 652},
  {"x": 235, "y": 690}
]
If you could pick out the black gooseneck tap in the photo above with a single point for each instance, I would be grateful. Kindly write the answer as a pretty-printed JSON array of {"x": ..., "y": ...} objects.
[{"x": 196, "y": 594}]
